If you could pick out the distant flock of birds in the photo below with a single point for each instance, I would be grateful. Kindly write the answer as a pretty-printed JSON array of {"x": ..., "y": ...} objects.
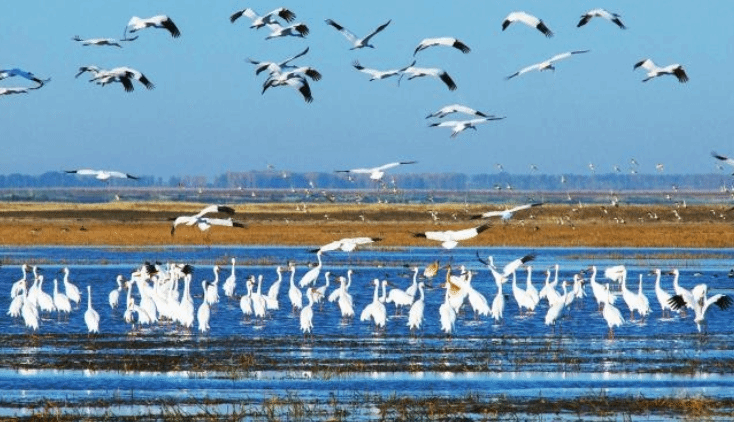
[{"x": 164, "y": 294}]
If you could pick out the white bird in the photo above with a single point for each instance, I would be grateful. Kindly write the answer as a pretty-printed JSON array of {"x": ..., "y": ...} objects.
[
  {"x": 600, "y": 13},
  {"x": 547, "y": 64},
  {"x": 601, "y": 294},
  {"x": 458, "y": 126},
  {"x": 380, "y": 74},
  {"x": 376, "y": 173},
  {"x": 268, "y": 18},
  {"x": 507, "y": 213},
  {"x": 347, "y": 244},
  {"x": 204, "y": 223},
  {"x": 246, "y": 299},
  {"x": 124, "y": 75},
  {"x": 202, "y": 315},
  {"x": 102, "y": 174},
  {"x": 447, "y": 313},
  {"x": 653, "y": 70},
  {"x": 450, "y": 238},
  {"x": 91, "y": 317},
  {"x": 528, "y": 20},
  {"x": 524, "y": 301},
  {"x": 415, "y": 315},
  {"x": 298, "y": 30},
  {"x": 293, "y": 80},
  {"x": 644, "y": 306},
  {"x": 43, "y": 299},
  {"x": 456, "y": 108},
  {"x": 114, "y": 296},
  {"x": 312, "y": 274},
  {"x": 160, "y": 21},
  {"x": 230, "y": 283},
  {"x": 529, "y": 288},
  {"x": 271, "y": 299},
  {"x": 701, "y": 305},
  {"x": 446, "y": 41},
  {"x": 399, "y": 297},
  {"x": 294, "y": 294},
  {"x": 15, "y": 90},
  {"x": 356, "y": 41},
  {"x": 61, "y": 302},
  {"x": 498, "y": 304},
  {"x": 29, "y": 312},
  {"x": 556, "y": 309},
  {"x": 72, "y": 292},
  {"x": 419, "y": 72},
  {"x": 101, "y": 41},
  {"x": 275, "y": 67},
  {"x": 211, "y": 289},
  {"x": 725, "y": 159},
  {"x": 611, "y": 314},
  {"x": 343, "y": 298},
  {"x": 376, "y": 309},
  {"x": 306, "y": 316},
  {"x": 662, "y": 295},
  {"x": 681, "y": 291},
  {"x": 616, "y": 273}
]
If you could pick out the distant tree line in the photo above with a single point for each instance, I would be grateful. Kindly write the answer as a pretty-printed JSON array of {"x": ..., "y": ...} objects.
[{"x": 416, "y": 181}]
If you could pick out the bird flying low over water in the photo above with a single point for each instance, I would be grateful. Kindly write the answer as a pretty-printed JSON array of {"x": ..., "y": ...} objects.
[
  {"x": 723, "y": 158},
  {"x": 376, "y": 173},
  {"x": 380, "y": 74},
  {"x": 459, "y": 126},
  {"x": 9, "y": 73},
  {"x": 160, "y": 21},
  {"x": 446, "y": 41},
  {"x": 102, "y": 174},
  {"x": 507, "y": 213},
  {"x": 268, "y": 18},
  {"x": 356, "y": 41},
  {"x": 204, "y": 223},
  {"x": 600, "y": 13},
  {"x": 102, "y": 41},
  {"x": 347, "y": 244},
  {"x": 653, "y": 70},
  {"x": 419, "y": 72},
  {"x": 456, "y": 108},
  {"x": 450, "y": 238},
  {"x": 528, "y": 20},
  {"x": 547, "y": 64}
]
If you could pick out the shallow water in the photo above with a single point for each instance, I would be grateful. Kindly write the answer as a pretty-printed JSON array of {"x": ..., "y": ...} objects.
[{"x": 520, "y": 357}]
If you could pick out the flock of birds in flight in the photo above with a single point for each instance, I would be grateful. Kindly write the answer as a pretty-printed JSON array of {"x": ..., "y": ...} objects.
[
  {"x": 165, "y": 295},
  {"x": 284, "y": 73}
]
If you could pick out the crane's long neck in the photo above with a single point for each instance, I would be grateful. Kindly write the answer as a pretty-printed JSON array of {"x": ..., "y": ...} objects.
[
  {"x": 376, "y": 295},
  {"x": 420, "y": 289},
  {"x": 293, "y": 276},
  {"x": 89, "y": 297}
]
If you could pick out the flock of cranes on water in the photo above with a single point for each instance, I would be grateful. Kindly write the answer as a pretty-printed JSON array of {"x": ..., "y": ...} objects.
[{"x": 157, "y": 293}]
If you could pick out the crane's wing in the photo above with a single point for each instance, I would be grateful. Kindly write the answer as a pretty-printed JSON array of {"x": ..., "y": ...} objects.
[
  {"x": 391, "y": 165},
  {"x": 527, "y": 69},
  {"x": 526, "y": 206},
  {"x": 468, "y": 233},
  {"x": 378, "y": 29},
  {"x": 566, "y": 55},
  {"x": 301, "y": 54},
  {"x": 121, "y": 175},
  {"x": 84, "y": 172},
  {"x": 646, "y": 64},
  {"x": 348, "y": 34},
  {"x": 723, "y": 158}
]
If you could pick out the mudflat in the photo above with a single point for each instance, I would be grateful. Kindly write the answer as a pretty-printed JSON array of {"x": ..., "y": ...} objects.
[{"x": 149, "y": 223}]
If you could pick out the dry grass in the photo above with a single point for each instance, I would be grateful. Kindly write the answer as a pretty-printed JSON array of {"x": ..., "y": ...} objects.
[{"x": 147, "y": 223}]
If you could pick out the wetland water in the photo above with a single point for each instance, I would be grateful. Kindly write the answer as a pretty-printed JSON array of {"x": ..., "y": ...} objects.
[{"x": 347, "y": 364}]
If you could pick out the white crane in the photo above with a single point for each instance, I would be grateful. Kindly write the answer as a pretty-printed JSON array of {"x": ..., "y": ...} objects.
[
  {"x": 653, "y": 70},
  {"x": 601, "y": 13},
  {"x": 9, "y": 73},
  {"x": 375, "y": 310},
  {"x": 528, "y": 20},
  {"x": 293, "y": 80},
  {"x": 347, "y": 244},
  {"x": 204, "y": 223},
  {"x": 123, "y": 74},
  {"x": 611, "y": 314},
  {"x": 419, "y": 72},
  {"x": 356, "y": 41},
  {"x": 91, "y": 316},
  {"x": 701, "y": 304},
  {"x": 380, "y": 74},
  {"x": 450, "y": 238},
  {"x": 275, "y": 67},
  {"x": 415, "y": 315},
  {"x": 458, "y": 126},
  {"x": 111, "y": 42},
  {"x": 298, "y": 30},
  {"x": 103, "y": 175},
  {"x": 445, "y": 41},
  {"x": 547, "y": 64},
  {"x": 376, "y": 173},
  {"x": 725, "y": 159},
  {"x": 268, "y": 18},
  {"x": 456, "y": 108},
  {"x": 507, "y": 213},
  {"x": 159, "y": 21},
  {"x": 312, "y": 274}
]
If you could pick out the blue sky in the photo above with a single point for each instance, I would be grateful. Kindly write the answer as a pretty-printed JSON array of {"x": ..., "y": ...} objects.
[{"x": 207, "y": 116}]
